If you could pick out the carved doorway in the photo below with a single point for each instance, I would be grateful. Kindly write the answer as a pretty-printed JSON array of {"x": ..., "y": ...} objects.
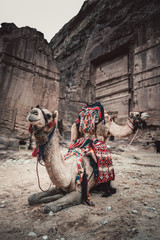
[{"x": 112, "y": 83}]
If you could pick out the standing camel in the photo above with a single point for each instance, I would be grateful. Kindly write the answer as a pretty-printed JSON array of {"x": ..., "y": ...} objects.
[
  {"x": 104, "y": 127},
  {"x": 63, "y": 172}
]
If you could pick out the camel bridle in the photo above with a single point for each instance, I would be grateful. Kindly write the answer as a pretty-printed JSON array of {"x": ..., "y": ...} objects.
[
  {"x": 44, "y": 137},
  {"x": 136, "y": 122},
  {"x": 43, "y": 113},
  {"x": 38, "y": 151}
]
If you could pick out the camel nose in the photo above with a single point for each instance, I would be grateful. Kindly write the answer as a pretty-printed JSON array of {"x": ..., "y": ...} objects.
[
  {"x": 147, "y": 115},
  {"x": 29, "y": 117}
]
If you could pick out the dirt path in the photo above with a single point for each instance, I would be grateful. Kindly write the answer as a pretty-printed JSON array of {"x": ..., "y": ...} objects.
[{"x": 132, "y": 213}]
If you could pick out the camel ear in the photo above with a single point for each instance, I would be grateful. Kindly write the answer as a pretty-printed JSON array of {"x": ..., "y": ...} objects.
[
  {"x": 131, "y": 114},
  {"x": 55, "y": 116}
]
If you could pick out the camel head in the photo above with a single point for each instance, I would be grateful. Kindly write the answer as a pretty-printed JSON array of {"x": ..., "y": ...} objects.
[
  {"x": 40, "y": 118},
  {"x": 139, "y": 119}
]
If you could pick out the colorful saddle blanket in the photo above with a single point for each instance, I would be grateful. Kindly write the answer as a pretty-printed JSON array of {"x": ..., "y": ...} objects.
[
  {"x": 89, "y": 116},
  {"x": 98, "y": 151}
]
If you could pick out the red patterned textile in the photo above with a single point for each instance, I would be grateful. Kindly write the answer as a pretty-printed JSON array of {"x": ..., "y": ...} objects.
[
  {"x": 104, "y": 162},
  {"x": 99, "y": 152},
  {"x": 89, "y": 116}
]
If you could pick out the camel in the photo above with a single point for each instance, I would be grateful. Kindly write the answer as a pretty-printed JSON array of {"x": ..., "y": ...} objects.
[
  {"x": 103, "y": 131},
  {"x": 63, "y": 172}
]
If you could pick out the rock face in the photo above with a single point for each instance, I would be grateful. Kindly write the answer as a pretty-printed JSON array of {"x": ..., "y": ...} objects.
[
  {"x": 28, "y": 77},
  {"x": 110, "y": 52}
]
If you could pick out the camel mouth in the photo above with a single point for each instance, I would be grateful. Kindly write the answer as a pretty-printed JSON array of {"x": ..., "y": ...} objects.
[
  {"x": 145, "y": 116},
  {"x": 31, "y": 120}
]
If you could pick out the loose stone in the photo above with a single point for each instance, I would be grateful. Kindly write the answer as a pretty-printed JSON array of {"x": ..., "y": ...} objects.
[
  {"x": 51, "y": 214},
  {"x": 109, "y": 208},
  {"x": 32, "y": 234},
  {"x": 134, "y": 230},
  {"x": 150, "y": 208},
  {"x": 145, "y": 203},
  {"x": 134, "y": 211},
  {"x": 45, "y": 237},
  {"x": 105, "y": 221},
  {"x": 27, "y": 161},
  {"x": 2, "y": 206}
]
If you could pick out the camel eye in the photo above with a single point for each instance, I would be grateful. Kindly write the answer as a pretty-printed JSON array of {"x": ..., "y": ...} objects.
[
  {"x": 35, "y": 113},
  {"x": 48, "y": 116}
]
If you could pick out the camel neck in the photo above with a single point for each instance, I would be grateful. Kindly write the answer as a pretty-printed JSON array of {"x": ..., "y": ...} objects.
[
  {"x": 130, "y": 124},
  {"x": 121, "y": 131},
  {"x": 42, "y": 137},
  {"x": 56, "y": 167}
]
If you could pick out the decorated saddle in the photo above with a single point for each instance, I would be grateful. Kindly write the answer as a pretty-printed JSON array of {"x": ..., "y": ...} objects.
[
  {"x": 100, "y": 156},
  {"x": 89, "y": 116},
  {"x": 96, "y": 150}
]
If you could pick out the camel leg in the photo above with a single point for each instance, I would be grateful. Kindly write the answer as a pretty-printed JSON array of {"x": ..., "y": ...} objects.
[
  {"x": 109, "y": 190},
  {"x": 70, "y": 199},
  {"x": 45, "y": 197}
]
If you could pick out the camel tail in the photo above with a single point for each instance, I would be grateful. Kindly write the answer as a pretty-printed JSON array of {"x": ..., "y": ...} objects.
[{"x": 84, "y": 187}]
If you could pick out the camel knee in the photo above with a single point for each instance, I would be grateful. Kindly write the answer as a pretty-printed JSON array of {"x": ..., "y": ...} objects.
[
  {"x": 70, "y": 199},
  {"x": 47, "y": 209},
  {"x": 52, "y": 208},
  {"x": 32, "y": 199}
]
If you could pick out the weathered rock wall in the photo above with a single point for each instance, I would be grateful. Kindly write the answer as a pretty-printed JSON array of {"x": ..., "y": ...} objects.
[
  {"x": 28, "y": 77},
  {"x": 110, "y": 52}
]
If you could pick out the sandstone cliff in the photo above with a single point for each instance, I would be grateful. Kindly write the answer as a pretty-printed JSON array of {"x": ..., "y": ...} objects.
[
  {"x": 28, "y": 77},
  {"x": 109, "y": 52}
]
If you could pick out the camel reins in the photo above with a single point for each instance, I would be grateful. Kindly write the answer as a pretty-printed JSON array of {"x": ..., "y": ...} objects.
[
  {"x": 135, "y": 134},
  {"x": 44, "y": 115},
  {"x": 134, "y": 126},
  {"x": 38, "y": 151},
  {"x": 39, "y": 158}
]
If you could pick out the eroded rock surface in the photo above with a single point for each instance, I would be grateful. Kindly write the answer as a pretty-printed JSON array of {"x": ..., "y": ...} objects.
[
  {"x": 109, "y": 52},
  {"x": 28, "y": 77}
]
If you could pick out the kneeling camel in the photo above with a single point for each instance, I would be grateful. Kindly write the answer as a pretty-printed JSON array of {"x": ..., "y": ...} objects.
[{"x": 62, "y": 172}]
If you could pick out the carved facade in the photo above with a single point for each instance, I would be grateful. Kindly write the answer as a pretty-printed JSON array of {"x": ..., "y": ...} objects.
[
  {"x": 110, "y": 52},
  {"x": 28, "y": 77}
]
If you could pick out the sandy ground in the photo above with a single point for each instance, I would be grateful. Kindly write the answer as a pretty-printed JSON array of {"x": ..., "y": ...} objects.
[{"x": 132, "y": 213}]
